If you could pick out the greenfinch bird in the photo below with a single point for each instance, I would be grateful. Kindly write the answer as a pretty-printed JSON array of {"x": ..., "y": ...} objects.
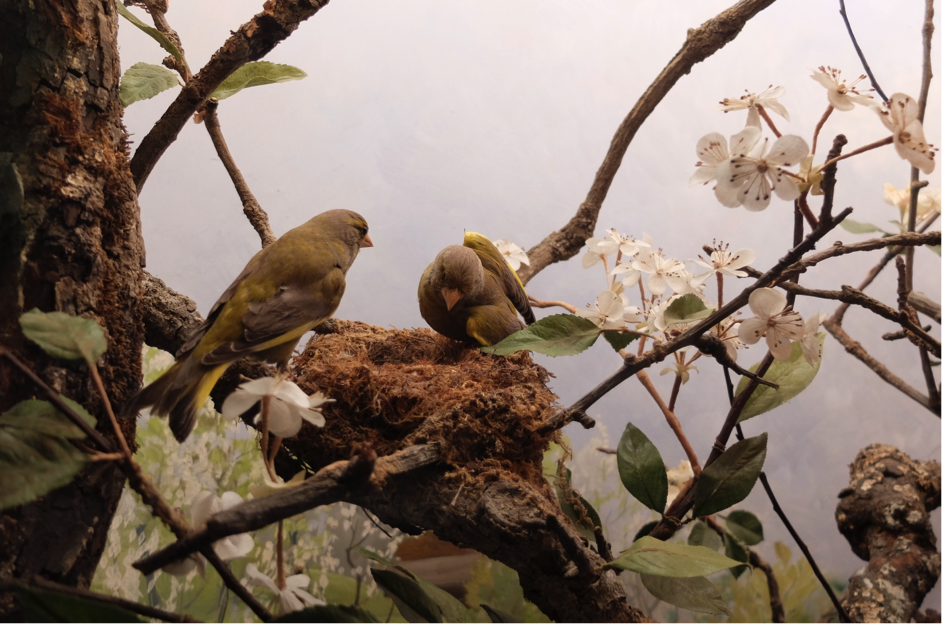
[
  {"x": 286, "y": 290},
  {"x": 469, "y": 293}
]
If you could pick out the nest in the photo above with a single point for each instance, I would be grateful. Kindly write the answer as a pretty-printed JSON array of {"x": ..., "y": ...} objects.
[{"x": 397, "y": 388}]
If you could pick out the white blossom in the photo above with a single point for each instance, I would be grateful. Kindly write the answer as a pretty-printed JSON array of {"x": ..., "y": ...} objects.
[
  {"x": 205, "y": 505},
  {"x": 728, "y": 334},
  {"x": 772, "y": 320},
  {"x": 292, "y": 597},
  {"x": 681, "y": 370},
  {"x": 712, "y": 151},
  {"x": 749, "y": 177},
  {"x": 664, "y": 272},
  {"x": 287, "y": 408},
  {"x": 810, "y": 345},
  {"x": 612, "y": 243},
  {"x": 513, "y": 253},
  {"x": 768, "y": 99},
  {"x": 901, "y": 116},
  {"x": 676, "y": 479},
  {"x": 927, "y": 201},
  {"x": 722, "y": 261},
  {"x": 841, "y": 95},
  {"x": 608, "y": 311}
]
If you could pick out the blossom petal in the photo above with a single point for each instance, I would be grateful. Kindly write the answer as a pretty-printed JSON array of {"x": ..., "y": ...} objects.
[
  {"x": 788, "y": 150},
  {"x": 766, "y": 302},
  {"x": 704, "y": 174},
  {"x": 752, "y": 329},
  {"x": 779, "y": 345},
  {"x": 238, "y": 403},
  {"x": 786, "y": 187}
]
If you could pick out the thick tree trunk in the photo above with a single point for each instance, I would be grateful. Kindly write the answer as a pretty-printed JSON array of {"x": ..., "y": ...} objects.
[{"x": 69, "y": 241}]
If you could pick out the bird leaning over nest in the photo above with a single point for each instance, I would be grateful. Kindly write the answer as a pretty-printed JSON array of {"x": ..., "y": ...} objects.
[{"x": 469, "y": 293}]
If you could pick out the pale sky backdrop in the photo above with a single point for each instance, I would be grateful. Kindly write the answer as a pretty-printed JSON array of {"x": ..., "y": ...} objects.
[{"x": 432, "y": 117}]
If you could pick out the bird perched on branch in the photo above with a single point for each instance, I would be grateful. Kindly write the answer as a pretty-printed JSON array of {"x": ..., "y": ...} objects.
[
  {"x": 286, "y": 290},
  {"x": 470, "y": 293}
]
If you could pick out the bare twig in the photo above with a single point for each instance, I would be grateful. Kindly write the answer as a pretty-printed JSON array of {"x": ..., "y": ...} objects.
[
  {"x": 536, "y": 303},
  {"x": 130, "y": 605},
  {"x": 927, "y": 306},
  {"x": 907, "y": 239},
  {"x": 775, "y": 596},
  {"x": 234, "y": 585},
  {"x": 860, "y": 53},
  {"x": 250, "y": 206},
  {"x": 158, "y": 10},
  {"x": 252, "y": 41},
  {"x": 701, "y": 44},
  {"x": 329, "y": 485},
  {"x": 672, "y": 421},
  {"x": 829, "y": 179}
]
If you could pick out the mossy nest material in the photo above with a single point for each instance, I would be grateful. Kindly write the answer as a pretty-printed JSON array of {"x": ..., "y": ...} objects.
[{"x": 396, "y": 388}]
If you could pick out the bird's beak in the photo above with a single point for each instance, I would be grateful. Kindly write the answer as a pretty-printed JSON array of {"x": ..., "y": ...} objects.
[
  {"x": 451, "y": 295},
  {"x": 367, "y": 241}
]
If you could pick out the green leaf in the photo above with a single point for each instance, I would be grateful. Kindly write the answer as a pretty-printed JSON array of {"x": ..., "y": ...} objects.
[
  {"x": 745, "y": 526},
  {"x": 155, "y": 34},
  {"x": 43, "y": 605},
  {"x": 559, "y": 334},
  {"x": 414, "y": 604},
  {"x": 63, "y": 336},
  {"x": 645, "y": 530},
  {"x": 792, "y": 376},
  {"x": 33, "y": 463},
  {"x": 686, "y": 309},
  {"x": 735, "y": 550},
  {"x": 255, "y": 75},
  {"x": 328, "y": 613},
  {"x": 641, "y": 469},
  {"x": 43, "y": 417},
  {"x": 856, "y": 227},
  {"x": 619, "y": 340},
  {"x": 580, "y": 520},
  {"x": 702, "y": 535},
  {"x": 652, "y": 556},
  {"x": 142, "y": 81},
  {"x": 937, "y": 249},
  {"x": 451, "y": 608},
  {"x": 694, "y": 593},
  {"x": 496, "y": 615},
  {"x": 731, "y": 477}
]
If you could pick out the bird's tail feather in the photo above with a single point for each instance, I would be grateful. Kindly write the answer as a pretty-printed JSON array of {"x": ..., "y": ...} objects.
[{"x": 179, "y": 393}]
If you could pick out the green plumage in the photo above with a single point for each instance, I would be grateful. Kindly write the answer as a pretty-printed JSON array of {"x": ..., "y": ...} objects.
[
  {"x": 286, "y": 290},
  {"x": 469, "y": 293}
]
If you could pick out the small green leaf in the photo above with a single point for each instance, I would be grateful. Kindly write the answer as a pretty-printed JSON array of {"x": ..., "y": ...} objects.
[
  {"x": 328, "y": 613},
  {"x": 143, "y": 81},
  {"x": 641, "y": 469},
  {"x": 33, "y": 464},
  {"x": 702, "y": 535},
  {"x": 792, "y": 376},
  {"x": 652, "y": 556},
  {"x": 937, "y": 249},
  {"x": 580, "y": 520},
  {"x": 559, "y": 334},
  {"x": 496, "y": 615},
  {"x": 731, "y": 477},
  {"x": 255, "y": 75},
  {"x": 43, "y": 605},
  {"x": 735, "y": 550},
  {"x": 414, "y": 604},
  {"x": 694, "y": 593},
  {"x": 645, "y": 530},
  {"x": 152, "y": 32},
  {"x": 619, "y": 340},
  {"x": 745, "y": 526},
  {"x": 43, "y": 417},
  {"x": 63, "y": 336},
  {"x": 686, "y": 309},
  {"x": 856, "y": 227}
]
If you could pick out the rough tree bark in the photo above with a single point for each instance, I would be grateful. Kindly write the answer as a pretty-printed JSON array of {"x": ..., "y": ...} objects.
[
  {"x": 884, "y": 515},
  {"x": 70, "y": 241}
]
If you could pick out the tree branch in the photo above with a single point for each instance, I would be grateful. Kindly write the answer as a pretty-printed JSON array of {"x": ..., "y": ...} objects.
[
  {"x": 884, "y": 515},
  {"x": 701, "y": 44},
  {"x": 252, "y": 41}
]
